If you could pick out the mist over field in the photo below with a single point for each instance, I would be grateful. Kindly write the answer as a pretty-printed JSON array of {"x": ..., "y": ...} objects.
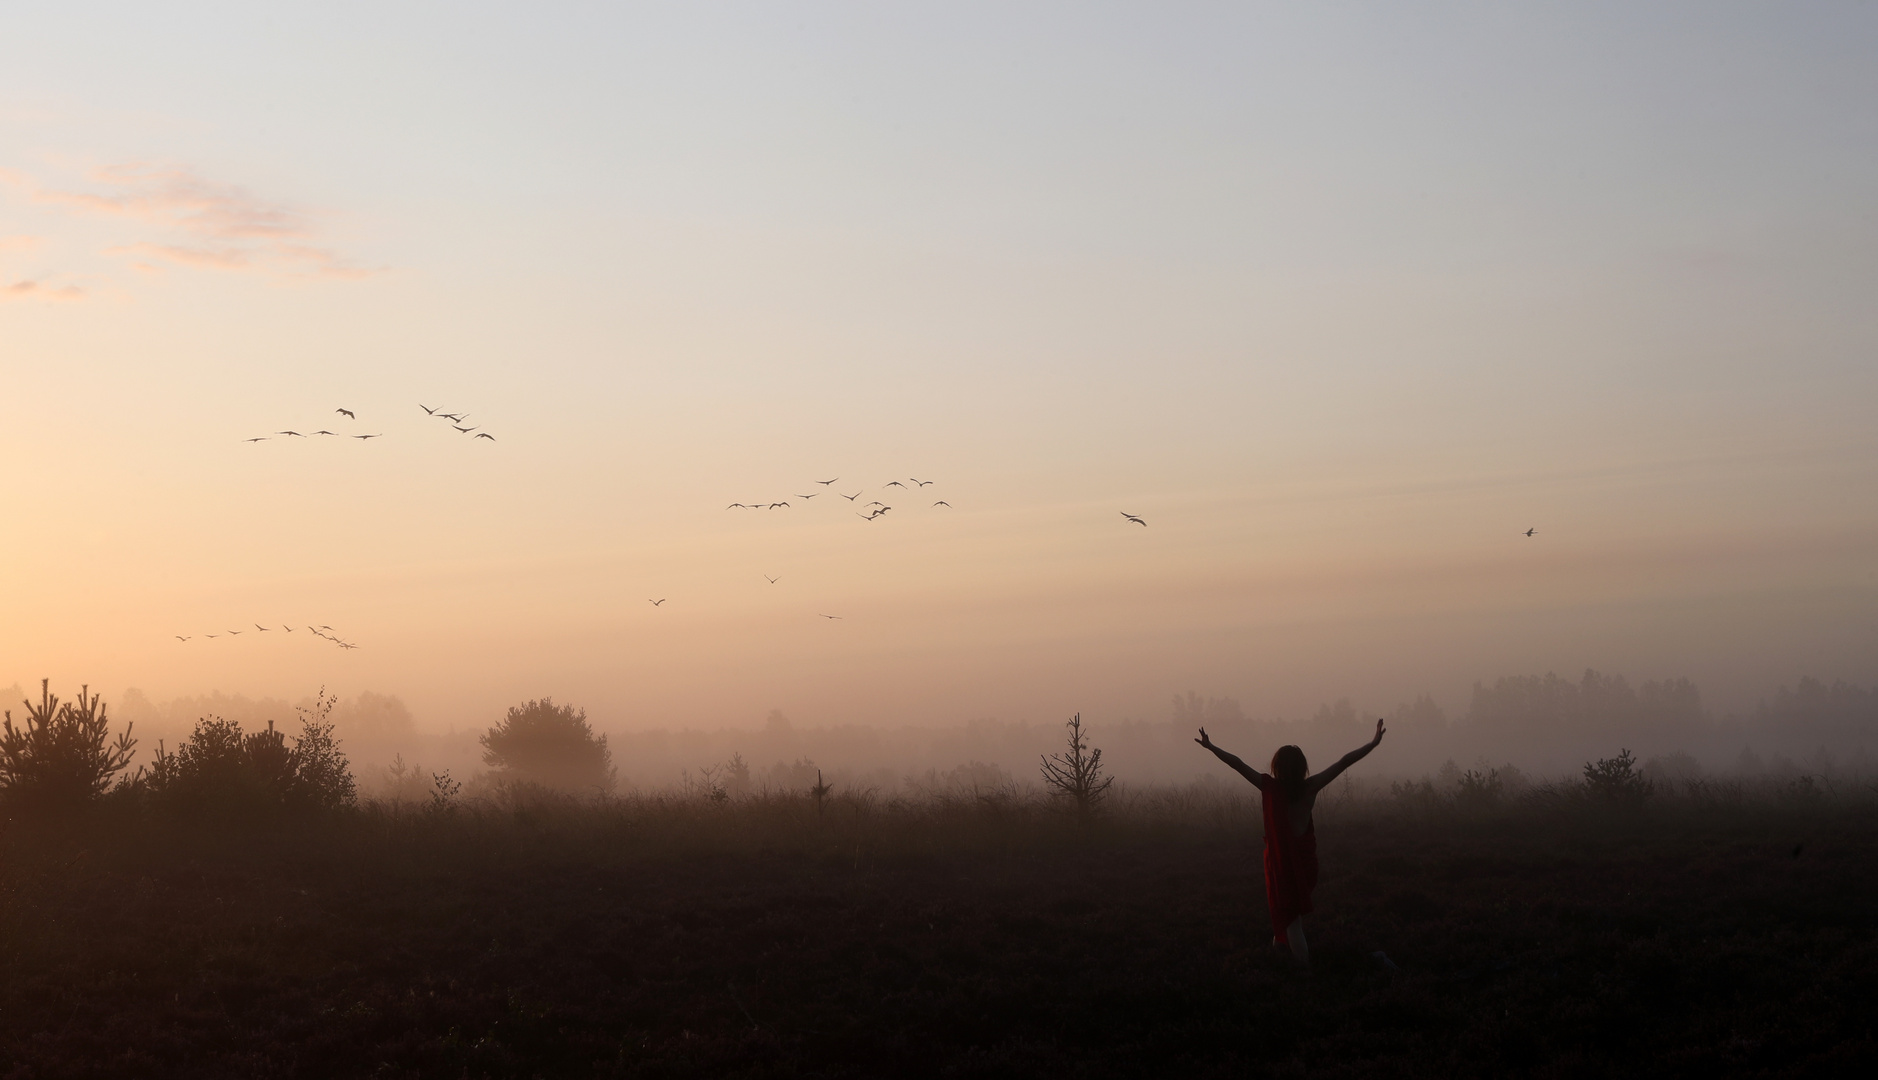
[{"x": 1534, "y": 729}]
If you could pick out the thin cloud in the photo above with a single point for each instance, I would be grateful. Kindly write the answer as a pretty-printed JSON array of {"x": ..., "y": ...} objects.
[
  {"x": 201, "y": 224},
  {"x": 37, "y": 290}
]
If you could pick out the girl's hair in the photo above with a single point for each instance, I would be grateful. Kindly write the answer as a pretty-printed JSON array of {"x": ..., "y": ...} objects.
[{"x": 1289, "y": 766}]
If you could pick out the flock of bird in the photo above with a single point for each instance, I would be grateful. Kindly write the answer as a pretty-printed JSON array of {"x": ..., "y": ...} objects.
[
  {"x": 325, "y": 633},
  {"x": 872, "y": 510},
  {"x": 879, "y": 508},
  {"x": 455, "y": 420}
]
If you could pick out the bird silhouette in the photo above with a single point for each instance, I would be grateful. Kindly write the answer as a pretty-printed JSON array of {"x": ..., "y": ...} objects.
[
  {"x": 324, "y": 432},
  {"x": 347, "y": 413},
  {"x": 736, "y": 506},
  {"x": 894, "y": 483},
  {"x": 1134, "y": 519},
  {"x": 457, "y": 417},
  {"x": 825, "y": 483},
  {"x": 923, "y": 483},
  {"x": 179, "y": 637},
  {"x": 876, "y": 502},
  {"x": 942, "y": 502},
  {"x": 231, "y": 633},
  {"x": 289, "y": 433},
  {"x": 828, "y": 616},
  {"x": 807, "y": 496},
  {"x": 461, "y": 428},
  {"x": 289, "y": 629},
  {"x": 486, "y": 435},
  {"x": 262, "y": 629},
  {"x": 377, "y": 436},
  {"x": 257, "y": 438},
  {"x": 852, "y": 497},
  {"x": 774, "y": 505},
  {"x": 1529, "y": 532},
  {"x": 427, "y": 409},
  {"x": 771, "y": 580},
  {"x": 656, "y": 603},
  {"x": 212, "y": 636}
]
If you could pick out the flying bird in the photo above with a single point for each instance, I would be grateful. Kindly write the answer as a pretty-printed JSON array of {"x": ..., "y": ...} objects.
[
  {"x": 347, "y": 413},
  {"x": 656, "y": 603},
  {"x": 461, "y": 428},
  {"x": 323, "y": 626},
  {"x": 828, "y": 616},
  {"x": 458, "y": 417},
  {"x": 895, "y": 483},
  {"x": 289, "y": 629},
  {"x": 233, "y": 632},
  {"x": 212, "y": 635},
  {"x": 324, "y": 432},
  {"x": 1529, "y": 532},
  {"x": 262, "y": 629},
  {"x": 774, "y": 505},
  {"x": 427, "y": 409},
  {"x": 923, "y": 483},
  {"x": 486, "y": 435},
  {"x": 289, "y": 433},
  {"x": 852, "y": 497},
  {"x": 807, "y": 496},
  {"x": 771, "y": 580},
  {"x": 179, "y": 637},
  {"x": 736, "y": 506},
  {"x": 257, "y": 438},
  {"x": 379, "y": 435},
  {"x": 1134, "y": 519},
  {"x": 942, "y": 502},
  {"x": 825, "y": 483}
]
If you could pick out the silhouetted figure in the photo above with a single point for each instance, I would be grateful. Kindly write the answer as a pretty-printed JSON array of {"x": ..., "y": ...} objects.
[
  {"x": 1288, "y": 794},
  {"x": 1529, "y": 532},
  {"x": 1134, "y": 519}
]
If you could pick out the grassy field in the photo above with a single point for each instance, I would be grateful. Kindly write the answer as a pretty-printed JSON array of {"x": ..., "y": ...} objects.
[{"x": 664, "y": 937}]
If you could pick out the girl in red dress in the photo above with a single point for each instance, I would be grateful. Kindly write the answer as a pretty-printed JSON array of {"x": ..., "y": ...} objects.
[{"x": 1288, "y": 794}]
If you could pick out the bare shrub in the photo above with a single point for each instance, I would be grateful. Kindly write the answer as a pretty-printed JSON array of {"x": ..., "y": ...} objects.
[
  {"x": 1077, "y": 774},
  {"x": 550, "y": 745},
  {"x": 1479, "y": 789},
  {"x": 64, "y": 756}
]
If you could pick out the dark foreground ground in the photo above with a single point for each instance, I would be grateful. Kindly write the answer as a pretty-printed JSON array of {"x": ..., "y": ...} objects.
[{"x": 665, "y": 939}]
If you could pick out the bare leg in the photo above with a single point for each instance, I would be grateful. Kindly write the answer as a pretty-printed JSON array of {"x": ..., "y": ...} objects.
[{"x": 1300, "y": 948}]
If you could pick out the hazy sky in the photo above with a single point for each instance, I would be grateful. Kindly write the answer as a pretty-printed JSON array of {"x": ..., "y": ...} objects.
[{"x": 1341, "y": 300}]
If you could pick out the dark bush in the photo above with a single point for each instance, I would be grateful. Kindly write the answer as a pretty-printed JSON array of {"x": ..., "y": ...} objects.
[
  {"x": 1618, "y": 778},
  {"x": 64, "y": 756},
  {"x": 223, "y": 771},
  {"x": 551, "y": 745}
]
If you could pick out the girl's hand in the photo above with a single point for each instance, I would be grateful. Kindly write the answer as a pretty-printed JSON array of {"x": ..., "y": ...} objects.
[
  {"x": 1379, "y": 732},
  {"x": 1203, "y": 740}
]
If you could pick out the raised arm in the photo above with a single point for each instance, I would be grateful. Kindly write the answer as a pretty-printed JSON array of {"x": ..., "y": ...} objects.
[
  {"x": 1323, "y": 779},
  {"x": 1259, "y": 779}
]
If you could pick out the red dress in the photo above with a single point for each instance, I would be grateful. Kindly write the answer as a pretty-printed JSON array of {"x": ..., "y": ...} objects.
[{"x": 1290, "y": 863}]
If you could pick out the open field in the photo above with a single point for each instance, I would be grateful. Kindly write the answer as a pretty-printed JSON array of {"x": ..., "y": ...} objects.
[{"x": 665, "y": 937}]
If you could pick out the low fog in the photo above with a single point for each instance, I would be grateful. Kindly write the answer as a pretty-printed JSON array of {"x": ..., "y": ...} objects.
[{"x": 1530, "y": 729}]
